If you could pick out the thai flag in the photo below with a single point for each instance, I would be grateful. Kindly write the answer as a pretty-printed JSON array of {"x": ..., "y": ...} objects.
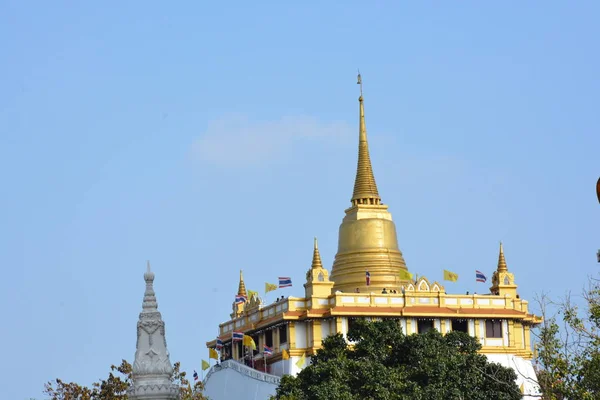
[
  {"x": 219, "y": 344},
  {"x": 267, "y": 350},
  {"x": 237, "y": 336},
  {"x": 368, "y": 277},
  {"x": 240, "y": 299},
  {"x": 195, "y": 376},
  {"x": 479, "y": 276},
  {"x": 285, "y": 281}
]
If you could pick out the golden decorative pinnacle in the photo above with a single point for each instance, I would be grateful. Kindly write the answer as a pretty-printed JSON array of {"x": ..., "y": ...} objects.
[
  {"x": 359, "y": 82},
  {"x": 316, "y": 261},
  {"x": 365, "y": 188},
  {"x": 501, "y": 261},
  {"x": 242, "y": 286}
]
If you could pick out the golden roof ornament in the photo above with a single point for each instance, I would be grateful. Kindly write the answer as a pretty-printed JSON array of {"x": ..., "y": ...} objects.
[
  {"x": 242, "y": 286},
  {"x": 501, "y": 261},
  {"x": 316, "y": 261},
  {"x": 365, "y": 188}
]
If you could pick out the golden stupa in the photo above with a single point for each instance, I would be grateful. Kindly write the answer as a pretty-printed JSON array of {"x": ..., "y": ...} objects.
[{"x": 367, "y": 239}]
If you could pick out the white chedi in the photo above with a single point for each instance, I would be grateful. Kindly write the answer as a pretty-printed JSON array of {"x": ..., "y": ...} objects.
[{"x": 152, "y": 367}]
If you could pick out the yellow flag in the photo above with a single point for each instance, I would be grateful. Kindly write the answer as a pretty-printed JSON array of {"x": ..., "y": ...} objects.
[
  {"x": 269, "y": 287},
  {"x": 205, "y": 365},
  {"x": 522, "y": 388},
  {"x": 300, "y": 362},
  {"x": 285, "y": 355},
  {"x": 450, "y": 276},
  {"x": 248, "y": 341},
  {"x": 212, "y": 353},
  {"x": 252, "y": 293},
  {"x": 405, "y": 275}
]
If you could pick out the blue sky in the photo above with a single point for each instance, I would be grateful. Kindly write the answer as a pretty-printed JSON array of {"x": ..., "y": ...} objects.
[{"x": 212, "y": 138}]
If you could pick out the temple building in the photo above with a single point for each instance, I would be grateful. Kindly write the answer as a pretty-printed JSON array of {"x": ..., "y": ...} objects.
[{"x": 369, "y": 279}]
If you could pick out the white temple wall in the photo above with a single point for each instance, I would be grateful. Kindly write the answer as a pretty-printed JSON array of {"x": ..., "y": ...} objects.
[
  {"x": 471, "y": 324},
  {"x": 228, "y": 383},
  {"x": 325, "y": 329},
  {"x": 526, "y": 377},
  {"x": 301, "y": 336},
  {"x": 403, "y": 325}
]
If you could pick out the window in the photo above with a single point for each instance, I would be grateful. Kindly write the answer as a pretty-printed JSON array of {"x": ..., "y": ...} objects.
[
  {"x": 351, "y": 323},
  {"x": 460, "y": 325},
  {"x": 269, "y": 338},
  {"x": 424, "y": 325},
  {"x": 283, "y": 334},
  {"x": 493, "y": 328}
]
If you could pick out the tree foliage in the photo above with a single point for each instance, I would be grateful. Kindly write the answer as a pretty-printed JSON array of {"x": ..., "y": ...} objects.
[
  {"x": 115, "y": 386},
  {"x": 385, "y": 364},
  {"x": 569, "y": 358}
]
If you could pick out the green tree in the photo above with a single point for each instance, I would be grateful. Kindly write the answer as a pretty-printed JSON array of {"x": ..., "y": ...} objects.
[
  {"x": 385, "y": 364},
  {"x": 115, "y": 386},
  {"x": 569, "y": 353}
]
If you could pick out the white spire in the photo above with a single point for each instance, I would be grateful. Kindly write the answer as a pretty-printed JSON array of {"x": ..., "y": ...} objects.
[
  {"x": 149, "y": 305},
  {"x": 152, "y": 367}
]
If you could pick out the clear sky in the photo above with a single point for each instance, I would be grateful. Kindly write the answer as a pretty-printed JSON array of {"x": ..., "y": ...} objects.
[{"x": 209, "y": 137}]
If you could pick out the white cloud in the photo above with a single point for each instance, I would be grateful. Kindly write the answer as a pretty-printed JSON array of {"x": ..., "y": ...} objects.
[{"x": 235, "y": 139}]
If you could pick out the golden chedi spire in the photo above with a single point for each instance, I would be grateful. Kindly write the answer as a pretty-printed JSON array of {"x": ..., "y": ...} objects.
[
  {"x": 316, "y": 261},
  {"x": 238, "y": 308},
  {"x": 367, "y": 236},
  {"x": 501, "y": 261},
  {"x": 242, "y": 286},
  {"x": 365, "y": 188},
  {"x": 503, "y": 282},
  {"x": 317, "y": 277}
]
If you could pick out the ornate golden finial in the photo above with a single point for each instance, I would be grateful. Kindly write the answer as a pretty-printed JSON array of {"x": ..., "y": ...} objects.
[
  {"x": 316, "y": 261},
  {"x": 359, "y": 82},
  {"x": 365, "y": 188},
  {"x": 242, "y": 286},
  {"x": 501, "y": 261}
]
